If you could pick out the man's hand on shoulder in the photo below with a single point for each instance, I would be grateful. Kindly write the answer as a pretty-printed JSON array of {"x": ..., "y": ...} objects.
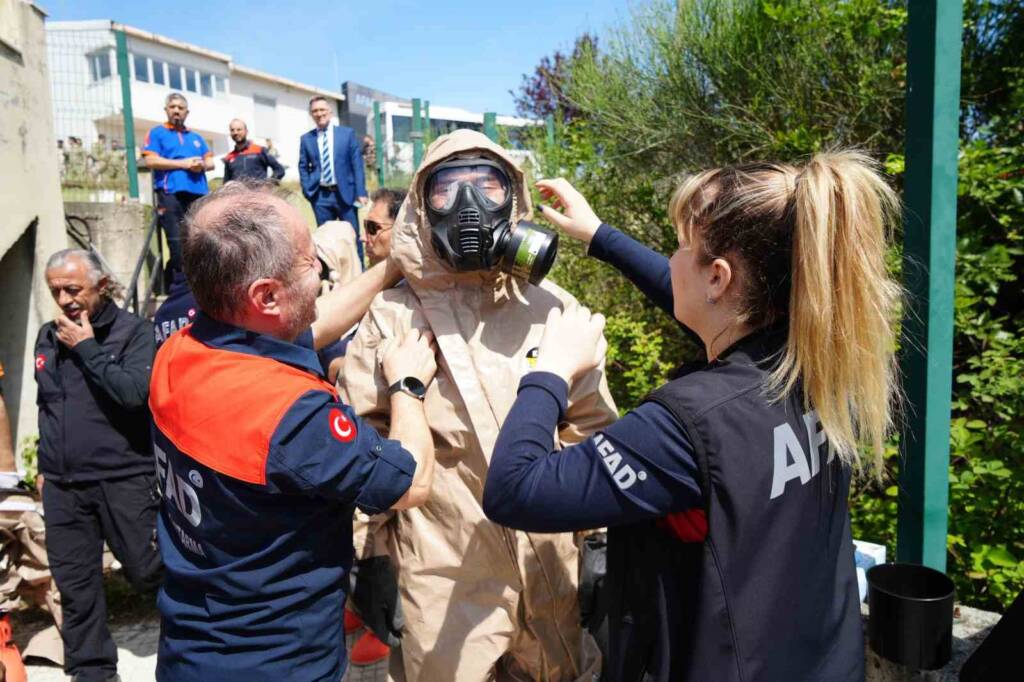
[{"x": 71, "y": 334}]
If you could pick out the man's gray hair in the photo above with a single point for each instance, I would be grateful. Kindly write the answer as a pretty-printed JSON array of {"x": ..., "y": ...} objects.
[
  {"x": 93, "y": 265},
  {"x": 233, "y": 237},
  {"x": 175, "y": 96}
]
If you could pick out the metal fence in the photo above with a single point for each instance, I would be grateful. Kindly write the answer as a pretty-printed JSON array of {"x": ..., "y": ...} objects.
[{"x": 96, "y": 156}]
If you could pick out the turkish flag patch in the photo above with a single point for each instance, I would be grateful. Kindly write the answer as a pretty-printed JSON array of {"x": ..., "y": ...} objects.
[
  {"x": 341, "y": 428},
  {"x": 40, "y": 361}
]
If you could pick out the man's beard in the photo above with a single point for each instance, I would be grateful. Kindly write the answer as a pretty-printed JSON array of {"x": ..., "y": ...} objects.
[{"x": 305, "y": 313}]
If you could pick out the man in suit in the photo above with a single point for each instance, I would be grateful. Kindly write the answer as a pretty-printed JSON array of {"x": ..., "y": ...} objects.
[{"x": 331, "y": 169}]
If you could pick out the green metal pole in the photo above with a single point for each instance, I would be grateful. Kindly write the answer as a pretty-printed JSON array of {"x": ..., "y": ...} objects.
[
  {"x": 378, "y": 143},
  {"x": 491, "y": 126},
  {"x": 549, "y": 123},
  {"x": 417, "y": 134},
  {"x": 428, "y": 136},
  {"x": 929, "y": 260},
  {"x": 126, "y": 113}
]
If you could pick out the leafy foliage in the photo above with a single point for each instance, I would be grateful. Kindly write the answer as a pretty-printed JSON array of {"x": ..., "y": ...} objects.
[
  {"x": 700, "y": 83},
  {"x": 543, "y": 92}
]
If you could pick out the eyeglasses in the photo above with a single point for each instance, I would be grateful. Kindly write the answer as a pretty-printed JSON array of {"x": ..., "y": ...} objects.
[{"x": 373, "y": 227}]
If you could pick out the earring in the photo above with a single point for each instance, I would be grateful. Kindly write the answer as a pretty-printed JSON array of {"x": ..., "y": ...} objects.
[{"x": 710, "y": 301}]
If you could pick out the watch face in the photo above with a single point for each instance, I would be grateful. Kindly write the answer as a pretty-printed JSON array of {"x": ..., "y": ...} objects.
[{"x": 414, "y": 386}]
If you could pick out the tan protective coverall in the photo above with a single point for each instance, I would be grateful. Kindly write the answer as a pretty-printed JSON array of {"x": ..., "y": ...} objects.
[
  {"x": 335, "y": 243},
  {"x": 481, "y": 601},
  {"x": 25, "y": 571}
]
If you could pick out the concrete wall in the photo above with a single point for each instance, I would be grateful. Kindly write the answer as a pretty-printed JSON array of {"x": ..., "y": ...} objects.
[
  {"x": 31, "y": 212},
  {"x": 118, "y": 232}
]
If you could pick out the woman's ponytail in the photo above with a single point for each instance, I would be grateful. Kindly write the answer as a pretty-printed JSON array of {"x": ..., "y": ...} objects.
[{"x": 843, "y": 304}]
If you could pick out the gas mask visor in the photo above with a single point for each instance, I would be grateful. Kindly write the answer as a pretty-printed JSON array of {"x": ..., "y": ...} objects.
[{"x": 488, "y": 177}]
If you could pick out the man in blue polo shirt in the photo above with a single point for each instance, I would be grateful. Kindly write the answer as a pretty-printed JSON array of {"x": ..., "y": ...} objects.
[
  {"x": 179, "y": 159},
  {"x": 260, "y": 465}
]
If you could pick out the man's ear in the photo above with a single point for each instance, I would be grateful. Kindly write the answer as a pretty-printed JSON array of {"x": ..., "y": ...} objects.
[
  {"x": 262, "y": 296},
  {"x": 720, "y": 276}
]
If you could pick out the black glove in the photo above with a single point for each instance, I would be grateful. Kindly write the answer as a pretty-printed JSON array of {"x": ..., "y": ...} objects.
[
  {"x": 374, "y": 596},
  {"x": 593, "y": 595}
]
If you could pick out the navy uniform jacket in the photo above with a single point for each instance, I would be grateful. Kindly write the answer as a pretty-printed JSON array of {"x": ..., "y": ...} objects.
[
  {"x": 260, "y": 468},
  {"x": 252, "y": 161},
  {"x": 177, "y": 311},
  {"x": 729, "y": 547},
  {"x": 93, "y": 421},
  {"x": 349, "y": 173}
]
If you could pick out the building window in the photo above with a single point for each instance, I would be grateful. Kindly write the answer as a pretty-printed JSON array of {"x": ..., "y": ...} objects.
[
  {"x": 221, "y": 84},
  {"x": 141, "y": 65},
  {"x": 206, "y": 85},
  {"x": 190, "y": 81},
  {"x": 158, "y": 72},
  {"x": 401, "y": 128},
  {"x": 174, "y": 76},
  {"x": 99, "y": 65},
  {"x": 264, "y": 116}
]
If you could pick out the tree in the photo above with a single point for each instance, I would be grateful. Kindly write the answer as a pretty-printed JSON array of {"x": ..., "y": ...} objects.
[{"x": 542, "y": 93}]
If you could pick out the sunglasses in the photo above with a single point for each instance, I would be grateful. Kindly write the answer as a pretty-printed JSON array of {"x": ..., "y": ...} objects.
[{"x": 373, "y": 227}]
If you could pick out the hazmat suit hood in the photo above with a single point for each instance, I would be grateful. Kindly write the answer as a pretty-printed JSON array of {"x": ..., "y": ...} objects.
[
  {"x": 410, "y": 241},
  {"x": 467, "y": 584},
  {"x": 335, "y": 243}
]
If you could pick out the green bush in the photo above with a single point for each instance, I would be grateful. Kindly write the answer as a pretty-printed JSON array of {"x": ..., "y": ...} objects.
[{"x": 700, "y": 83}]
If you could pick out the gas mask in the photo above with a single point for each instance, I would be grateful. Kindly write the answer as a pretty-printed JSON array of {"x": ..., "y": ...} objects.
[{"x": 469, "y": 203}]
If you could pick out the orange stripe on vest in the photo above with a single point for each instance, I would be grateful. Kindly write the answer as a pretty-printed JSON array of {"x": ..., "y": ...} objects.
[{"x": 221, "y": 407}]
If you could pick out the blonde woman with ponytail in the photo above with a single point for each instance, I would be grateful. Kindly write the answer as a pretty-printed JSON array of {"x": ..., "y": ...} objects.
[{"x": 725, "y": 491}]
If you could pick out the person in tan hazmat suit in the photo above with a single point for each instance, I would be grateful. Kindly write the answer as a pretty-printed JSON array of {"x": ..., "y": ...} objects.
[
  {"x": 480, "y": 601},
  {"x": 335, "y": 243}
]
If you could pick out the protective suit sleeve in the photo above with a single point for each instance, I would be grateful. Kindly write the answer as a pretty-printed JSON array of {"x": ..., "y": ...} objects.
[
  {"x": 641, "y": 467},
  {"x": 361, "y": 381}
]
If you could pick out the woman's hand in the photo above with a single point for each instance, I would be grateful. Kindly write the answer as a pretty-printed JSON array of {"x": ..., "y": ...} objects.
[
  {"x": 577, "y": 220},
  {"x": 573, "y": 343}
]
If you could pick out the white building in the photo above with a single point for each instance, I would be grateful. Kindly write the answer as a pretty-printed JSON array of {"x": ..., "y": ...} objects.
[
  {"x": 397, "y": 130},
  {"x": 86, "y": 90}
]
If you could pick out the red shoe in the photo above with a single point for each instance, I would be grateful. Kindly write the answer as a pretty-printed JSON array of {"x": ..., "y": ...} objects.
[
  {"x": 352, "y": 621},
  {"x": 10, "y": 657},
  {"x": 369, "y": 650}
]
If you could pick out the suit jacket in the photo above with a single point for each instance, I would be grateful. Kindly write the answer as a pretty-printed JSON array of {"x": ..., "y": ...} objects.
[{"x": 348, "y": 164}]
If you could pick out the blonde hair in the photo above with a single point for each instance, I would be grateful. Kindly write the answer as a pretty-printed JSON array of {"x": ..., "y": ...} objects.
[{"x": 811, "y": 249}]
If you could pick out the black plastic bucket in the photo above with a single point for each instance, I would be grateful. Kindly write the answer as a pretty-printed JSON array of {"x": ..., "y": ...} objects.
[{"x": 911, "y": 615}]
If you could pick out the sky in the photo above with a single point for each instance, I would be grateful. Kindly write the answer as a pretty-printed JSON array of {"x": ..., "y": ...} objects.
[{"x": 464, "y": 53}]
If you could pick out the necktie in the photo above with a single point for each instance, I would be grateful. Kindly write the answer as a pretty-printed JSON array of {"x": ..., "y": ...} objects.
[{"x": 326, "y": 167}]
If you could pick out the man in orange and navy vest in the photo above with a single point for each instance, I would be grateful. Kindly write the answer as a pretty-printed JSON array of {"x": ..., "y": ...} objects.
[
  {"x": 247, "y": 159},
  {"x": 260, "y": 465}
]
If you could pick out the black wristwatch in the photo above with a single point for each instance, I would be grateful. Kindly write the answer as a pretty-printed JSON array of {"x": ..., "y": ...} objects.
[{"x": 410, "y": 386}]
